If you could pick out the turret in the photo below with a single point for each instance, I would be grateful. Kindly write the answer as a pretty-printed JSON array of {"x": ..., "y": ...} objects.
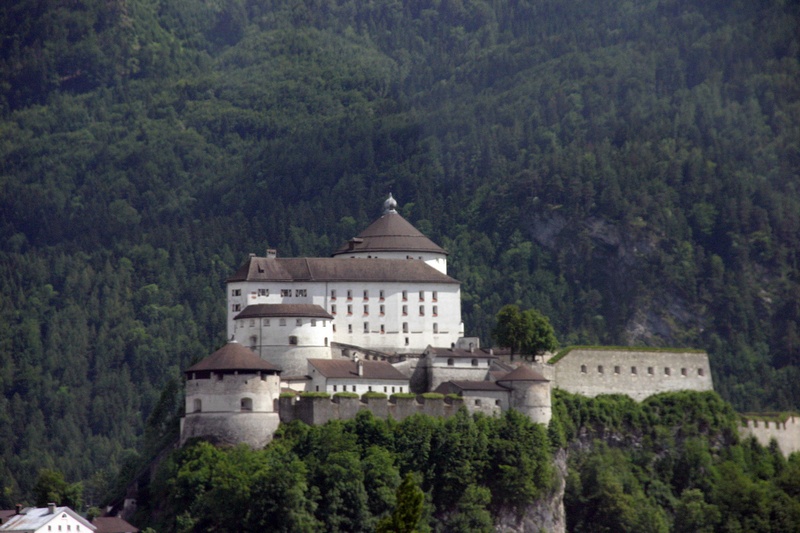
[{"x": 530, "y": 393}]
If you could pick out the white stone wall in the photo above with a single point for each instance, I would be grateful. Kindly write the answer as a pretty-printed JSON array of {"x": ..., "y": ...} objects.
[
  {"x": 225, "y": 395},
  {"x": 254, "y": 429},
  {"x": 532, "y": 399},
  {"x": 407, "y": 325},
  {"x": 786, "y": 434},
  {"x": 637, "y": 374},
  {"x": 491, "y": 403}
]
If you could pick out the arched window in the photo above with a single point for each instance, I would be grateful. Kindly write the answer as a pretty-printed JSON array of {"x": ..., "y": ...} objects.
[
  {"x": 247, "y": 404},
  {"x": 198, "y": 405}
]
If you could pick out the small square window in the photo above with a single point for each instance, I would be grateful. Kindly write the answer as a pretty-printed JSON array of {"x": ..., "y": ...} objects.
[
  {"x": 421, "y": 296},
  {"x": 333, "y": 309},
  {"x": 366, "y": 295},
  {"x": 405, "y": 295},
  {"x": 405, "y": 310},
  {"x": 633, "y": 370},
  {"x": 366, "y": 309},
  {"x": 701, "y": 372},
  {"x": 285, "y": 293},
  {"x": 421, "y": 310},
  {"x": 616, "y": 370},
  {"x": 435, "y": 296},
  {"x": 599, "y": 369},
  {"x": 266, "y": 321},
  {"x": 349, "y": 294},
  {"x": 349, "y": 309},
  {"x": 383, "y": 330},
  {"x": 263, "y": 292},
  {"x": 299, "y": 322},
  {"x": 405, "y": 327},
  {"x": 349, "y": 328},
  {"x": 313, "y": 323},
  {"x": 383, "y": 310},
  {"x": 667, "y": 371},
  {"x": 583, "y": 369},
  {"x": 649, "y": 370},
  {"x": 435, "y": 327},
  {"x": 333, "y": 294},
  {"x": 366, "y": 327},
  {"x": 684, "y": 373},
  {"x": 381, "y": 295},
  {"x": 236, "y": 292}
]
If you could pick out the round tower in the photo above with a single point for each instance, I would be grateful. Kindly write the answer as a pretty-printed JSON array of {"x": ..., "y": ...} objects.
[
  {"x": 530, "y": 393},
  {"x": 231, "y": 398}
]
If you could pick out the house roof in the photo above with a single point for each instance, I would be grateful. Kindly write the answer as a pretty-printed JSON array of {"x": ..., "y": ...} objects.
[
  {"x": 348, "y": 369},
  {"x": 5, "y": 514},
  {"x": 283, "y": 310},
  {"x": 457, "y": 353},
  {"x": 473, "y": 386},
  {"x": 113, "y": 524},
  {"x": 390, "y": 233},
  {"x": 32, "y": 518},
  {"x": 523, "y": 373},
  {"x": 232, "y": 356},
  {"x": 337, "y": 269}
]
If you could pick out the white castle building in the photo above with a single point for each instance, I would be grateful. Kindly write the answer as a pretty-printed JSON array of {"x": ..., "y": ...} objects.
[{"x": 386, "y": 290}]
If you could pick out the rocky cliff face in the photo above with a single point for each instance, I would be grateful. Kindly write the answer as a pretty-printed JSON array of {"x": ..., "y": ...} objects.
[{"x": 546, "y": 514}]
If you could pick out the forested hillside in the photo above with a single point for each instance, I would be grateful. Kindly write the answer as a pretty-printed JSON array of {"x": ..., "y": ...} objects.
[{"x": 631, "y": 169}]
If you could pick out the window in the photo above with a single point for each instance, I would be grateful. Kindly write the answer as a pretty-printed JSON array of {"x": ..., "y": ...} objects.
[
  {"x": 285, "y": 293},
  {"x": 583, "y": 369},
  {"x": 313, "y": 323},
  {"x": 385, "y": 389},
  {"x": 405, "y": 327},
  {"x": 616, "y": 370},
  {"x": 649, "y": 370},
  {"x": 477, "y": 402},
  {"x": 633, "y": 370},
  {"x": 349, "y": 309},
  {"x": 366, "y": 295},
  {"x": 435, "y": 327},
  {"x": 667, "y": 371},
  {"x": 435, "y": 296},
  {"x": 435, "y": 310},
  {"x": 382, "y": 310},
  {"x": 405, "y": 295},
  {"x": 326, "y": 341},
  {"x": 392, "y": 389},
  {"x": 282, "y": 322},
  {"x": 247, "y": 404},
  {"x": 474, "y": 362},
  {"x": 333, "y": 294},
  {"x": 266, "y": 321},
  {"x": 383, "y": 330},
  {"x": 349, "y": 328},
  {"x": 333, "y": 309},
  {"x": 300, "y": 292},
  {"x": 236, "y": 307},
  {"x": 334, "y": 388},
  {"x": 236, "y": 292},
  {"x": 405, "y": 310},
  {"x": 252, "y": 323},
  {"x": 407, "y": 341},
  {"x": 599, "y": 369},
  {"x": 683, "y": 372},
  {"x": 401, "y": 389},
  {"x": 451, "y": 362},
  {"x": 366, "y": 327},
  {"x": 701, "y": 372},
  {"x": 299, "y": 322},
  {"x": 293, "y": 339},
  {"x": 263, "y": 292},
  {"x": 366, "y": 309},
  {"x": 198, "y": 405},
  {"x": 333, "y": 326},
  {"x": 421, "y": 310},
  {"x": 421, "y": 296},
  {"x": 253, "y": 342},
  {"x": 380, "y": 295},
  {"x": 349, "y": 294}
]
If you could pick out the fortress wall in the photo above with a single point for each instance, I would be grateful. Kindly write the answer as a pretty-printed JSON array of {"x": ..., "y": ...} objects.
[
  {"x": 224, "y": 395},
  {"x": 254, "y": 429},
  {"x": 466, "y": 372},
  {"x": 787, "y": 433},
  {"x": 637, "y": 374},
  {"x": 316, "y": 411}
]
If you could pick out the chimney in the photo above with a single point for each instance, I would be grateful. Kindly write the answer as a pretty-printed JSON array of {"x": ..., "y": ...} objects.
[
  {"x": 51, "y": 508},
  {"x": 360, "y": 366},
  {"x": 272, "y": 253},
  {"x": 19, "y": 508}
]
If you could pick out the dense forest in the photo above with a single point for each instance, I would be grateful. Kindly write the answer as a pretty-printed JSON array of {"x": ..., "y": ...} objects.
[
  {"x": 671, "y": 463},
  {"x": 630, "y": 169}
]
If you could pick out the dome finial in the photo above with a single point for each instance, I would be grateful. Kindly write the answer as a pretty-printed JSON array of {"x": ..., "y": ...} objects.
[{"x": 390, "y": 205}]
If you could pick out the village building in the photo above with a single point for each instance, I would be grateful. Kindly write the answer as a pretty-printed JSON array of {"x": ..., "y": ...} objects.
[
  {"x": 358, "y": 376},
  {"x": 48, "y": 519}
]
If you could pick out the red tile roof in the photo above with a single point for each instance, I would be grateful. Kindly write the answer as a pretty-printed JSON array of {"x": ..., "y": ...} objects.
[
  {"x": 336, "y": 269},
  {"x": 113, "y": 524},
  {"x": 346, "y": 368},
  {"x": 283, "y": 310},
  {"x": 390, "y": 233},
  {"x": 232, "y": 356}
]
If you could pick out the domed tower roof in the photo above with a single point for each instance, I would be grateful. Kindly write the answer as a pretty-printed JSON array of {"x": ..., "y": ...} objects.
[
  {"x": 523, "y": 373},
  {"x": 390, "y": 233},
  {"x": 233, "y": 356}
]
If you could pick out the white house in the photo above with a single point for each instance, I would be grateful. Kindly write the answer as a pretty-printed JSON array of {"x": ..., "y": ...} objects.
[
  {"x": 386, "y": 290},
  {"x": 47, "y": 520},
  {"x": 345, "y": 375}
]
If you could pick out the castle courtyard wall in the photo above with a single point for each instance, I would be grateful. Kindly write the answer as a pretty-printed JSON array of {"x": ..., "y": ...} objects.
[{"x": 786, "y": 433}]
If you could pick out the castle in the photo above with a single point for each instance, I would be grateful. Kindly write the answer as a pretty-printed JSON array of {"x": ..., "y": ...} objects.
[{"x": 381, "y": 319}]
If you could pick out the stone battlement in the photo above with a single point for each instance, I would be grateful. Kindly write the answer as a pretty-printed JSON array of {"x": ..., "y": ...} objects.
[{"x": 786, "y": 433}]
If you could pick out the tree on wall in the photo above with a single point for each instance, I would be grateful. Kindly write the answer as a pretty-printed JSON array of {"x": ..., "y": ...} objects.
[{"x": 528, "y": 332}]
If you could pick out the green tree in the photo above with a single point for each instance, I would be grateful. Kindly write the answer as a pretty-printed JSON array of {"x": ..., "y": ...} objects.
[
  {"x": 51, "y": 487},
  {"x": 527, "y": 331},
  {"x": 408, "y": 512}
]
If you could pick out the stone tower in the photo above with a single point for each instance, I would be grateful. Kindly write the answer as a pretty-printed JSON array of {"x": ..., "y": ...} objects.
[
  {"x": 231, "y": 398},
  {"x": 530, "y": 393}
]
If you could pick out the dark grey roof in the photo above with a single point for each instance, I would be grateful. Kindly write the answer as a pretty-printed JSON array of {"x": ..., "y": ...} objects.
[
  {"x": 113, "y": 524},
  {"x": 335, "y": 269},
  {"x": 390, "y": 233},
  {"x": 346, "y": 368},
  {"x": 478, "y": 386},
  {"x": 232, "y": 356},
  {"x": 523, "y": 373},
  {"x": 283, "y": 310}
]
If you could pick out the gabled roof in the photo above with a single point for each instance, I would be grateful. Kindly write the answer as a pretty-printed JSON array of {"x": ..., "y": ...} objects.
[
  {"x": 390, "y": 233},
  {"x": 523, "y": 373},
  {"x": 283, "y": 310},
  {"x": 233, "y": 356},
  {"x": 113, "y": 524},
  {"x": 336, "y": 269},
  {"x": 348, "y": 369},
  {"x": 457, "y": 353},
  {"x": 32, "y": 518},
  {"x": 472, "y": 386}
]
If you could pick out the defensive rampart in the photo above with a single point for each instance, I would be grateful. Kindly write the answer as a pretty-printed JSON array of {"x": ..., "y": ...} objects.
[
  {"x": 319, "y": 410},
  {"x": 786, "y": 433}
]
